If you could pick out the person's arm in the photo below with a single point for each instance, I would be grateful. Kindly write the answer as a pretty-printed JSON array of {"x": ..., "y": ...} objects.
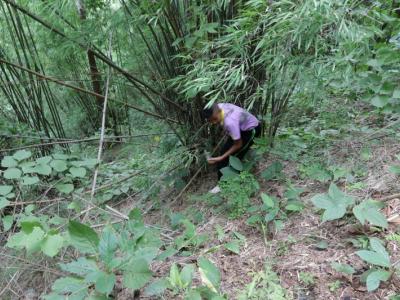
[
  {"x": 234, "y": 132},
  {"x": 235, "y": 147}
]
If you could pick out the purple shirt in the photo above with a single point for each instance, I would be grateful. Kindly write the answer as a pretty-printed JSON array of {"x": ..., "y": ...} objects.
[{"x": 237, "y": 119}]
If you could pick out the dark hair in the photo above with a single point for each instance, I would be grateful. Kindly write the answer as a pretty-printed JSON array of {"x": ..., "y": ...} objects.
[{"x": 208, "y": 111}]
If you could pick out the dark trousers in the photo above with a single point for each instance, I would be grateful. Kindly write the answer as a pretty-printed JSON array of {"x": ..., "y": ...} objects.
[{"x": 247, "y": 139}]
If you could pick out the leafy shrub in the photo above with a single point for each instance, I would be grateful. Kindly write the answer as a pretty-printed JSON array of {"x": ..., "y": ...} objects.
[{"x": 237, "y": 191}]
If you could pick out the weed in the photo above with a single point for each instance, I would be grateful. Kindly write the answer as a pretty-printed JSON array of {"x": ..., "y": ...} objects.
[
  {"x": 334, "y": 286},
  {"x": 265, "y": 285},
  {"x": 307, "y": 278},
  {"x": 237, "y": 191}
]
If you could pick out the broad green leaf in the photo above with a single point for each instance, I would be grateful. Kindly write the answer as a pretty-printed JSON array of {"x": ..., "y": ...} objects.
[
  {"x": 374, "y": 258},
  {"x": 369, "y": 211},
  {"x": 209, "y": 274},
  {"x": 34, "y": 240},
  {"x": 395, "y": 169},
  {"x": 52, "y": 244},
  {"x": 82, "y": 237},
  {"x": 137, "y": 274},
  {"x": 343, "y": 268},
  {"x": 43, "y": 160},
  {"x": 294, "y": 206},
  {"x": 12, "y": 173},
  {"x": 7, "y": 222},
  {"x": 30, "y": 180},
  {"x": 396, "y": 94},
  {"x": 66, "y": 285},
  {"x": 29, "y": 223},
  {"x": 157, "y": 287},
  {"x": 5, "y": 189},
  {"x": 187, "y": 275},
  {"x": 377, "y": 246},
  {"x": 77, "y": 172},
  {"x": 267, "y": 200},
  {"x": 235, "y": 163},
  {"x": 81, "y": 267},
  {"x": 8, "y": 162},
  {"x": 42, "y": 169},
  {"x": 3, "y": 202},
  {"x": 380, "y": 101},
  {"x": 228, "y": 173},
  {"x": 108, "y": 244},
  {"x": 17, "y": 240},
  {"x": 105, "y": 283},
  {"x": 22, "y": 154},
  {"x": 335, "y": 203},
  {"x": 170, "y": 251},
  {"x": 65, "y": 188},
  {"x": 59, "y": 165},
  {"x": 135, "y": 214},
  {"x": 233, "y": 246},
  {"x": 375, "y": 278},
  {"x": 272, "y": 171}
]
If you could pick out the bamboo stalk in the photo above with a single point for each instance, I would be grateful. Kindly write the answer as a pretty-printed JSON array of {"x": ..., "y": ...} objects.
[{"x": 83, "y": 90}]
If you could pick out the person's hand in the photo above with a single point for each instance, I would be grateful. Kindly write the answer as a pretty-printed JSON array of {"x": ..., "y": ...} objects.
[{"x": 214, "y": 160}]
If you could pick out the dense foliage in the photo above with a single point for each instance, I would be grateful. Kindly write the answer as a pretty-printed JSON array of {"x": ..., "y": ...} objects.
[{"x": 100, "y": 126}]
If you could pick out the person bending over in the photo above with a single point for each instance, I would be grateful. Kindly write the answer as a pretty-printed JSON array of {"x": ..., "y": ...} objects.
[{"x": 241, "y": 127}]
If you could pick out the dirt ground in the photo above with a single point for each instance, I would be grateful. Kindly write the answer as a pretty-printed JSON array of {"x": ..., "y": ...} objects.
[{"x": 294, "y": 249}]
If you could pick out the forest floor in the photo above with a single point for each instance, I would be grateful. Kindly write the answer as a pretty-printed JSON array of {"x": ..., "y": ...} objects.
[{"x": 302, "y": 251}]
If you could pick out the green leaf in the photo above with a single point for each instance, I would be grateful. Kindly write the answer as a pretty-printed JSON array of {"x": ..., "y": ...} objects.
[
  {"x": 81, "y": 267},
  {"x": 369, "y": 211},
  {"x": 108, "y": 244},
  {"x": 34, "y": 240},
  {"x": 52, "y": 244},
  {"x": 137, "y": 274},
  {"x": 233, "y": 246},
  {"x": 30, "y": 180},
  {"x": 267, "y": 200},
  {"x": 82, "y": 237},
  {"x": 157, "y": 287},
  {"x": 374, "y": 258},
  {"x": 77, "y": 172},
  {"x": 135, "y": 214},
  {"x": 335, "y": 203},
  {"x": 395, "y": 169},
  {"x": 22, "y": 154},
  {"x": 3, "y": 202},
  {"x": 209, "y": 274},
  {"x": 380, "y": 101},
  {"x": 43, "y": 160},
  {"x": 5, "y": 189},
  {"x": 65, "y": 188},
  {"x": 7, "y": 222},
  {"x": 66, "y": 285},
  {"x": 235, "y": 163},
  {"x": 12, "y": 173},
  {"x": 228, "y": 173},
  {"x": 187, "y": 275},
  {"x": 375, "y": 278},
  {"x": 294, "y": 206},
  {"x": 105, "y": 283},
  {"x": 343, "y": 268},
  {"x": 272, "y": 171},
  {"x": 377, "y": 246},
  {"x": 59, "y": 165},
  {"x": 42, "y": 169},
  {"x": 174, "y": 276},
  {"x": 8, "y": 162},
  {"x": 396, "y": 94},
  {"x": 17, "y": 241}
]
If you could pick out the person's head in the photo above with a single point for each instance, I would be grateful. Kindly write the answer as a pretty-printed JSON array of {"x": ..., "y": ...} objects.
[{"x": 212, "y": 114}]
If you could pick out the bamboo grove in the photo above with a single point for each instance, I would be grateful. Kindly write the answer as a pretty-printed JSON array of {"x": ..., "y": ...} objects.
[{"x": 169, "y": 58}]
